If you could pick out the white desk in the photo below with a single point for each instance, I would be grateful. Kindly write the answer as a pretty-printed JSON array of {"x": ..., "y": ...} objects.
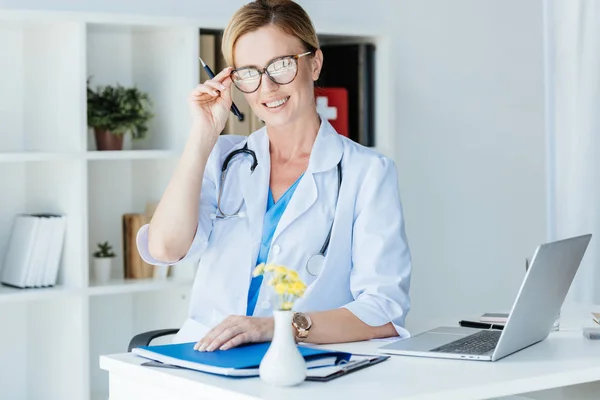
[{"x": 565, "y": 358}]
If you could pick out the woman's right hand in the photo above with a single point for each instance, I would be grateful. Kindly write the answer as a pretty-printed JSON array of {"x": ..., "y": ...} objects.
[{"x": 210, "y": 103}]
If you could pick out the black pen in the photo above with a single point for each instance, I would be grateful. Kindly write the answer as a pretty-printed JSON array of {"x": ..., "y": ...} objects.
[
  {"x": 481, "y": 325},
  {"x": 211, "y": 75}
]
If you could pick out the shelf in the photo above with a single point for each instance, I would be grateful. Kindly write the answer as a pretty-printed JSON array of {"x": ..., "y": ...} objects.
[
  {"x": 10, "y": 294},
  {"x": 49, "y": 163},
  {"x": 124, "y": 286},
  {"x": 35, "y": 156},
  {"x": 40, "y": 82},
  {"x": 120, "y": 286},
  {"x": 132, "y": 155},
  {"x": 160, "y": 61}
]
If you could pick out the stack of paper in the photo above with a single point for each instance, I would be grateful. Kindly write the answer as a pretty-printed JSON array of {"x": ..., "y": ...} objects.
[{"x": 33, "y": 251}]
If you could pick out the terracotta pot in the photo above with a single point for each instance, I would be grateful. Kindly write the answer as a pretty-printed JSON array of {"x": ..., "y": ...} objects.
[{"x": 105, "y": 140}]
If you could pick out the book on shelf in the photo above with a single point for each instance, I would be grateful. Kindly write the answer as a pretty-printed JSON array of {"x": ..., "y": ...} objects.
[
  {"x": 208, "y": 52},
  {"x": 34, "y": 250},
  {"x": 135, "y": 266}
]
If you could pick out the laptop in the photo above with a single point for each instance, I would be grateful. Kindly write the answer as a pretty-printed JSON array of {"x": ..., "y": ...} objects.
[{"x": 530, "y": 321}]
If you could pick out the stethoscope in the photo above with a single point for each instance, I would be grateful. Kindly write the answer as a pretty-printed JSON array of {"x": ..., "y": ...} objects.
[
  {"x": 316, "y": 262},
  {"x": 245, "y": 150}
]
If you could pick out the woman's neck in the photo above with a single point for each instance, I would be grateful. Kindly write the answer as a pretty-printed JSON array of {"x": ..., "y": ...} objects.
[{"x": 295, "y": 139}]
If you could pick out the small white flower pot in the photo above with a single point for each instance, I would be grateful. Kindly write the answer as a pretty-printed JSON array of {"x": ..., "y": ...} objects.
[
  {"x": 283, "y": 365},
  {"x": 102, "y": 269}
]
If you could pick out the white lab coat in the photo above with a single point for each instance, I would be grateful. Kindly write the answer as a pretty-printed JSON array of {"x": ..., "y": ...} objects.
[{"x": 367, "y": 267}]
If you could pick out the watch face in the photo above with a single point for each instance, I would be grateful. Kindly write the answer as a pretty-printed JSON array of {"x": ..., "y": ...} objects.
[{"x": 301, "y": 321}]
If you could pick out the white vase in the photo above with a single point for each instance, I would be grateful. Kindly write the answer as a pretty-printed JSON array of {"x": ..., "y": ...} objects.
[
  {"x": 283, "y": 365},
  {"x": 102, "y": 268}
]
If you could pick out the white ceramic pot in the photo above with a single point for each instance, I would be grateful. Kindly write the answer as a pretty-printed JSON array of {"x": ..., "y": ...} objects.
[
  {"x": 102, "y": 269},
  {"x": 283, "y": 365}
]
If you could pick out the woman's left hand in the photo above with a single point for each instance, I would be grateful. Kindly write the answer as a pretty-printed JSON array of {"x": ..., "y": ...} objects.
[{"x": 236, "y": 330}]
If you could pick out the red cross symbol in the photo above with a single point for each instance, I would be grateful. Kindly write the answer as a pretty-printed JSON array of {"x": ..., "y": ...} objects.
[{"x": 332, "y": 104}]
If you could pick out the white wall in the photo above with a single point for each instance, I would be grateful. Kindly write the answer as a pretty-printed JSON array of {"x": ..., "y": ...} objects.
[
  {"x": 220, "y": 9},
  {"x": 471, "y": 149},
  {"x": 575, "y": 63},
  {"x": 469, "y": 132},
  {"x": 345, "y": 11}
]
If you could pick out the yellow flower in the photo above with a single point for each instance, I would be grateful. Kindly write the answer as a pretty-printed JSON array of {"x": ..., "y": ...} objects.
[
  {"x": 297, "y": 288},
  {"x": 286, "y": 283},
  {"x": 280, "y": 270},
  {"x": 259, "y": 270},
  {"x": 269, "y": 268},
  {"x": 281, "y": 288}
]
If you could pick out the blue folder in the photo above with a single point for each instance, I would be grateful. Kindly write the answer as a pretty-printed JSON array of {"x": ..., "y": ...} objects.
[{"x": 238, "y": 361}]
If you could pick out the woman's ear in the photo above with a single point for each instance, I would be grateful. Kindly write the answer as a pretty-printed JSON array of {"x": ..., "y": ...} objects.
[{"x": 317, "y": 64}]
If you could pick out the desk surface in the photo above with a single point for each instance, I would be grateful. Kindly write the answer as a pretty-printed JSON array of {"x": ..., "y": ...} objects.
[{"x": 565, "y": 358}]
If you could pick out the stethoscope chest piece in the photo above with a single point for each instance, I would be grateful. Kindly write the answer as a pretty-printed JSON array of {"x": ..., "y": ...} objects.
[{"x": 315, "y": 264}]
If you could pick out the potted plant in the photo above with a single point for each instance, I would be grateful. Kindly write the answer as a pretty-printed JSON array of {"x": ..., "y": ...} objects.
[
  {"x": 103, "y": 262},
  {"x": 115, "y": 110}
]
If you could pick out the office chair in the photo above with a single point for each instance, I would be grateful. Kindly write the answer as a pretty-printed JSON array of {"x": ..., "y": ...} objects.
[{"x": 144, "y": 339}]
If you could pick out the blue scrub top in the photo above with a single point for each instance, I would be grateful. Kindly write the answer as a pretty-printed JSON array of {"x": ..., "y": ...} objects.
[{"x": 272, "y": 217}]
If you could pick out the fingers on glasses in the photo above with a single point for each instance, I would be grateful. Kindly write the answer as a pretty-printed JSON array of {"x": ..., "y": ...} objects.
[
  {"x": 223, "y": 74},
  {"x": 215, "y": 85},
  {"x": 208, "y": 87}
]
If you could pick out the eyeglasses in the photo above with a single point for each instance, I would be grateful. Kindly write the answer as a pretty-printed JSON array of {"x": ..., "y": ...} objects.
[{"x": 281, "y": 70}]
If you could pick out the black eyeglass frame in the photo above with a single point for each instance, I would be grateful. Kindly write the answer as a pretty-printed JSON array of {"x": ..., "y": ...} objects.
[{"x": 262, "y": 71}]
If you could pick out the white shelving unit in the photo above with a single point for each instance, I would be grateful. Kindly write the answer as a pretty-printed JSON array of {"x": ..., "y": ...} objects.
[{"x": 51, "y": 338}]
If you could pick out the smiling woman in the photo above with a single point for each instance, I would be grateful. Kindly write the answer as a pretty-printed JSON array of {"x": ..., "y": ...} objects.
[
  {"x": 278, "y": 41},
  {"x": 312, "y": 193}
]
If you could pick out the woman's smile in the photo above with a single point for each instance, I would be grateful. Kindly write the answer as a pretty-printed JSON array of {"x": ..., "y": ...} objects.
[{"x": 276, "y": 104}]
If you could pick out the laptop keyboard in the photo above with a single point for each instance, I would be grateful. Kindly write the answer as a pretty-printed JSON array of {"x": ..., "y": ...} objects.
[{"x": 477, "y": 343}]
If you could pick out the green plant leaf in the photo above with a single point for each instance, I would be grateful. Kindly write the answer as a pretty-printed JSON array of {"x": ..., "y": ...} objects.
[
  {"x": 119, "y": 110},
  {"x": 104, "y": 250}
]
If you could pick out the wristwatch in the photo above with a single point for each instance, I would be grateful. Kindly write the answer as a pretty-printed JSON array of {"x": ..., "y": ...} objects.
[{"x": 302, "y": 323}]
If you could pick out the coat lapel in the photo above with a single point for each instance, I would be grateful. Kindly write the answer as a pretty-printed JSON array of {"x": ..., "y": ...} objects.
[
  {"x": 303, "y": 198},
  {"x": 325, "y": 155},
  {"x": 255, "y": 185}
]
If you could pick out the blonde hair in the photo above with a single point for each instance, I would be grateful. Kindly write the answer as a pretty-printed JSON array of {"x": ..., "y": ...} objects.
[{"x": 287, "y": 15}]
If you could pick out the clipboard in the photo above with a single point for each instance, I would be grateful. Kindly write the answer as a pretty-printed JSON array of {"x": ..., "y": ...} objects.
[
  {"x": 242, "y": 361},
  {"x": 319, "y": 374},
  {"x": 356, "y": 363}
]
